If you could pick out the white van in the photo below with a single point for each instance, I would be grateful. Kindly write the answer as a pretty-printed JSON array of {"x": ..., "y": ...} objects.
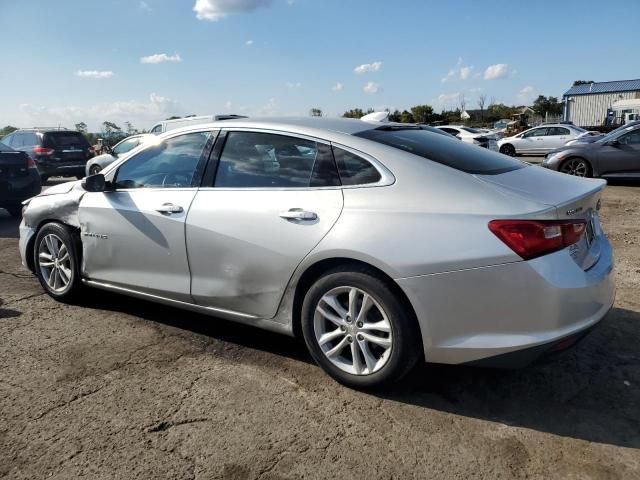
[{"x": 167, "y": 125}]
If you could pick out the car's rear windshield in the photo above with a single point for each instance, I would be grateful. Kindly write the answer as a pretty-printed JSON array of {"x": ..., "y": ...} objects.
[
  {"x": 445, "y": 150},
  {"x": 64, "y": 140}
]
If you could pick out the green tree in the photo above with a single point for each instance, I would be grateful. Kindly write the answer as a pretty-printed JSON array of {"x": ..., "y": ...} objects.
[
  {"x": 111, "y": 132},
  {"x": 81, "y": 127},
  {"x": 315, "y": 112},
  {"x": 582, "y": 82},
  {"x": 354, "y": 113},
  {"x": 543, "y": 105},
  {"x": 422, "y": 113},
  {"x": 131, "y": 130},
  {"x": 407, "y": 117},
  {"x": 7, "y": 130}
]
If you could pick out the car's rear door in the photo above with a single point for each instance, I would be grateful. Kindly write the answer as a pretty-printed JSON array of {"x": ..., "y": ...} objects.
[
  {"x": 532, "y": 141},
  {"x": 555, "y": 138},
  {"x": 133, "y": 235},
  {"x": 273, "y": 198}
]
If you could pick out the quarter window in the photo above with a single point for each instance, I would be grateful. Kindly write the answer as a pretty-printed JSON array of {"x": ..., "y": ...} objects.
[
  {"x": 174, "y": 163},
  {"x": 355, "y": 170},
  {"x": 259, "y": 160}
]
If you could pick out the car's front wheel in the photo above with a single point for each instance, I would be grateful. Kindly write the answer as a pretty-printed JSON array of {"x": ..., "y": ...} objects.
[
  {"x": 358, "y": 330},
  {"x": 578, "y": 167},
  {"x": 56, "y": 259},
  {"x": 508, "y": 149},
  {"x": 95, "y": 169}
]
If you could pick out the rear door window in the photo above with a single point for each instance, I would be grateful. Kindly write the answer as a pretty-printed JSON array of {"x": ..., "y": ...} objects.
[
  {"x": 266, "y": 160},
  {"x": 537, "y": 132},
  {"x": 557, "y": 131},
  {"x": 444, "y": 150},
  {"x": 65, "y": 140},
  {"x": 353, "y": 169}
]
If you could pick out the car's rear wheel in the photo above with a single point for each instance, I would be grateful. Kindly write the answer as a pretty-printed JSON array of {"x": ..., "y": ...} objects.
[
  {"x": 578, "y": 167},
  {"x": 95, "y": 169},
  {"x": 508, "y": 149},
  {"x": 56, "y": 260},
  {"x": 358, "y": 330}
]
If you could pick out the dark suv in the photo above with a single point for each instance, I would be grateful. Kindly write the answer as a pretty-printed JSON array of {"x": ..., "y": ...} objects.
[{"x": 57, "y": 152}]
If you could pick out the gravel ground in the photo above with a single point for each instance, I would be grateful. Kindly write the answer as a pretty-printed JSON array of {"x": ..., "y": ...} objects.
[{"x": 121, "y": 388}]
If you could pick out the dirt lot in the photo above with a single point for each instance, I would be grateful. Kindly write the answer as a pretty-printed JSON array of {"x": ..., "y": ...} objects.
[{"x": 120, "y": 388}]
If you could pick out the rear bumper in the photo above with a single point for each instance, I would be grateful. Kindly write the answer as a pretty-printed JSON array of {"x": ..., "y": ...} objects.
[
  {"x": 17, "y": 189},
  {"x": 476, "y": 314},
  {"x": 62, "y": 169}
]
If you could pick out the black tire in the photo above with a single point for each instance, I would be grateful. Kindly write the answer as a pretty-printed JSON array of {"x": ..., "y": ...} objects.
[
  {"x": 43, "y": 179},
  {"x": 14, "y": 210},
  {"x": 576, "y": 166},
  {"x": 67, "y": 237},
  {"x": 508, "y": 149},
  {"x": 406, "y": 343},
  {"x": 95, "y": 169}
]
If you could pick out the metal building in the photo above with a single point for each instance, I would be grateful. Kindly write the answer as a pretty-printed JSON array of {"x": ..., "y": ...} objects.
[{"x": 594, "y": 104}]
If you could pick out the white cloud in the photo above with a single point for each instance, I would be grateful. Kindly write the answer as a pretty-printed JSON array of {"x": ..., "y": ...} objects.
[
  {"x": 371, "y": 88},
  {"x": 161, "y": 58},
  {"x": 94, "y": 74},
  {"x": 293, "y": 85},
  {"x": 368, "y": 67},
  {"x": 493, "y": 72},
  {"x": 526, "y": 93},
  {"x": 144, "y": 6},
  {"x": 142, "y": 114},
  {"x": 460, "y": 72},
  {"x": 448, "y": 100},
  {"x": 269, "y": 109},
  {"x": 338, "y": 87},
  {"x": 228, "y": 105},
  {"x": 248, "y": 43},
  {"x": 214, "y": 10}
]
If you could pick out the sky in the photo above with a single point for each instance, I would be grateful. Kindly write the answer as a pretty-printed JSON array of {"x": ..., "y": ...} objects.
[{"x": 67, "y": 61}]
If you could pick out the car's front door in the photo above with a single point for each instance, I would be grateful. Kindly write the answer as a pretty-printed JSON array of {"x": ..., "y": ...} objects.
[
  {"x": 274, "y": 197},
  {"x": 532, "y": 141},
  {"x": 621, "y": 157},
  {"x": 133, "y": 234}
]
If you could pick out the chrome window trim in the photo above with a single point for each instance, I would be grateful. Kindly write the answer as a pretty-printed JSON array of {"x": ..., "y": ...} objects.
[{"x": 386, "y": 177}]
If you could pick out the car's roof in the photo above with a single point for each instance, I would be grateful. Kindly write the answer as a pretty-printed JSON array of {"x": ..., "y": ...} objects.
[{"x": 312, "y": 126}]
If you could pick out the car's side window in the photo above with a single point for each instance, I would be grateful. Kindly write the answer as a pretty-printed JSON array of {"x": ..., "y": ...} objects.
[
  {"x": 557, "y": 131},
  {"x": 156, "y": 130},
  {"x": 174, "y": 163},
  {"x": 538, "y": 132},
  {"x": 353, "y": 169},
  {"x": 632, "y": 138},
  {"x": 266, "y": 160},
  {"x": 126, "y": 145}
]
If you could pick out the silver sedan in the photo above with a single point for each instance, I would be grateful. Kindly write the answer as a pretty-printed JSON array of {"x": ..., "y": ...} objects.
[{"x": 380, "y": 244}]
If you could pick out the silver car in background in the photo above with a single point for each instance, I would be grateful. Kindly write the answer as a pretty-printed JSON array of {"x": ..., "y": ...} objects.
[
  {"x": 540, "y": 140},
  {"x": 380, "y": 244},
  {"x": 98, "y": 163}
]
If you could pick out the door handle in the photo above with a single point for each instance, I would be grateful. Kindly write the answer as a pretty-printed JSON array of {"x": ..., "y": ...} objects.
[
  {"x": 169, "y": 208},
  {"x": 299, "y": 214}
]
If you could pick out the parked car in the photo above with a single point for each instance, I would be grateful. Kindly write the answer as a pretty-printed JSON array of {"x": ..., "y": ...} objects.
[
  {"x": 166, "y": 125},
  {"x": 97, "y": 163},
  {"x": 56, "y": 152},
  {"x": 614, "y": 155},
  {"x": 539, "y": 140},
  {"x": 19, "y": 179},
  {"x": 472, "y": 136},
  {"x": 379, "y": 244},
  {"x": 595, "y": 136}
]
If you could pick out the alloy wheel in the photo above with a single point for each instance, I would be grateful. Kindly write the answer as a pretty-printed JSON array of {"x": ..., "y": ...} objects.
[
  {"x": 575, "y": 167},
  {"x": 94, "y": 169},
  {"x": 55, "y": 263},
  {"x": 353, "y": 330}
]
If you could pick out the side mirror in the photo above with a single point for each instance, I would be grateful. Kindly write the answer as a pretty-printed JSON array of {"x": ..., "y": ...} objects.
[{"x": 94, "y": 183}]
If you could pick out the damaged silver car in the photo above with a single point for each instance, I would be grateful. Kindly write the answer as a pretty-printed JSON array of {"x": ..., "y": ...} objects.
[{"x": 380, "y": 244}]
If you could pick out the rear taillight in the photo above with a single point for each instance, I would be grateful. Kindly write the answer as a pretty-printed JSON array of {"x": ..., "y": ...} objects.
[
  {"x": 31, "y": 163},
  {"x": 533, "y": 238},
  {"x": 43, "y": 151}
]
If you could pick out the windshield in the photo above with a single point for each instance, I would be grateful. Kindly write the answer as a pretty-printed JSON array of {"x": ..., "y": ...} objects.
[
  {"x": 470, "y": 130},
  {"x": 443, "y": 149},
  {"x": 65, "y": 140},
  {"x": 614, "y": 133}
]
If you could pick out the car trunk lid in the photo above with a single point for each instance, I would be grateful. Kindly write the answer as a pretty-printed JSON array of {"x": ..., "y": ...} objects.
[
  {"x": 13, "y": 164},
  {"x": 573, "y": 198}
]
